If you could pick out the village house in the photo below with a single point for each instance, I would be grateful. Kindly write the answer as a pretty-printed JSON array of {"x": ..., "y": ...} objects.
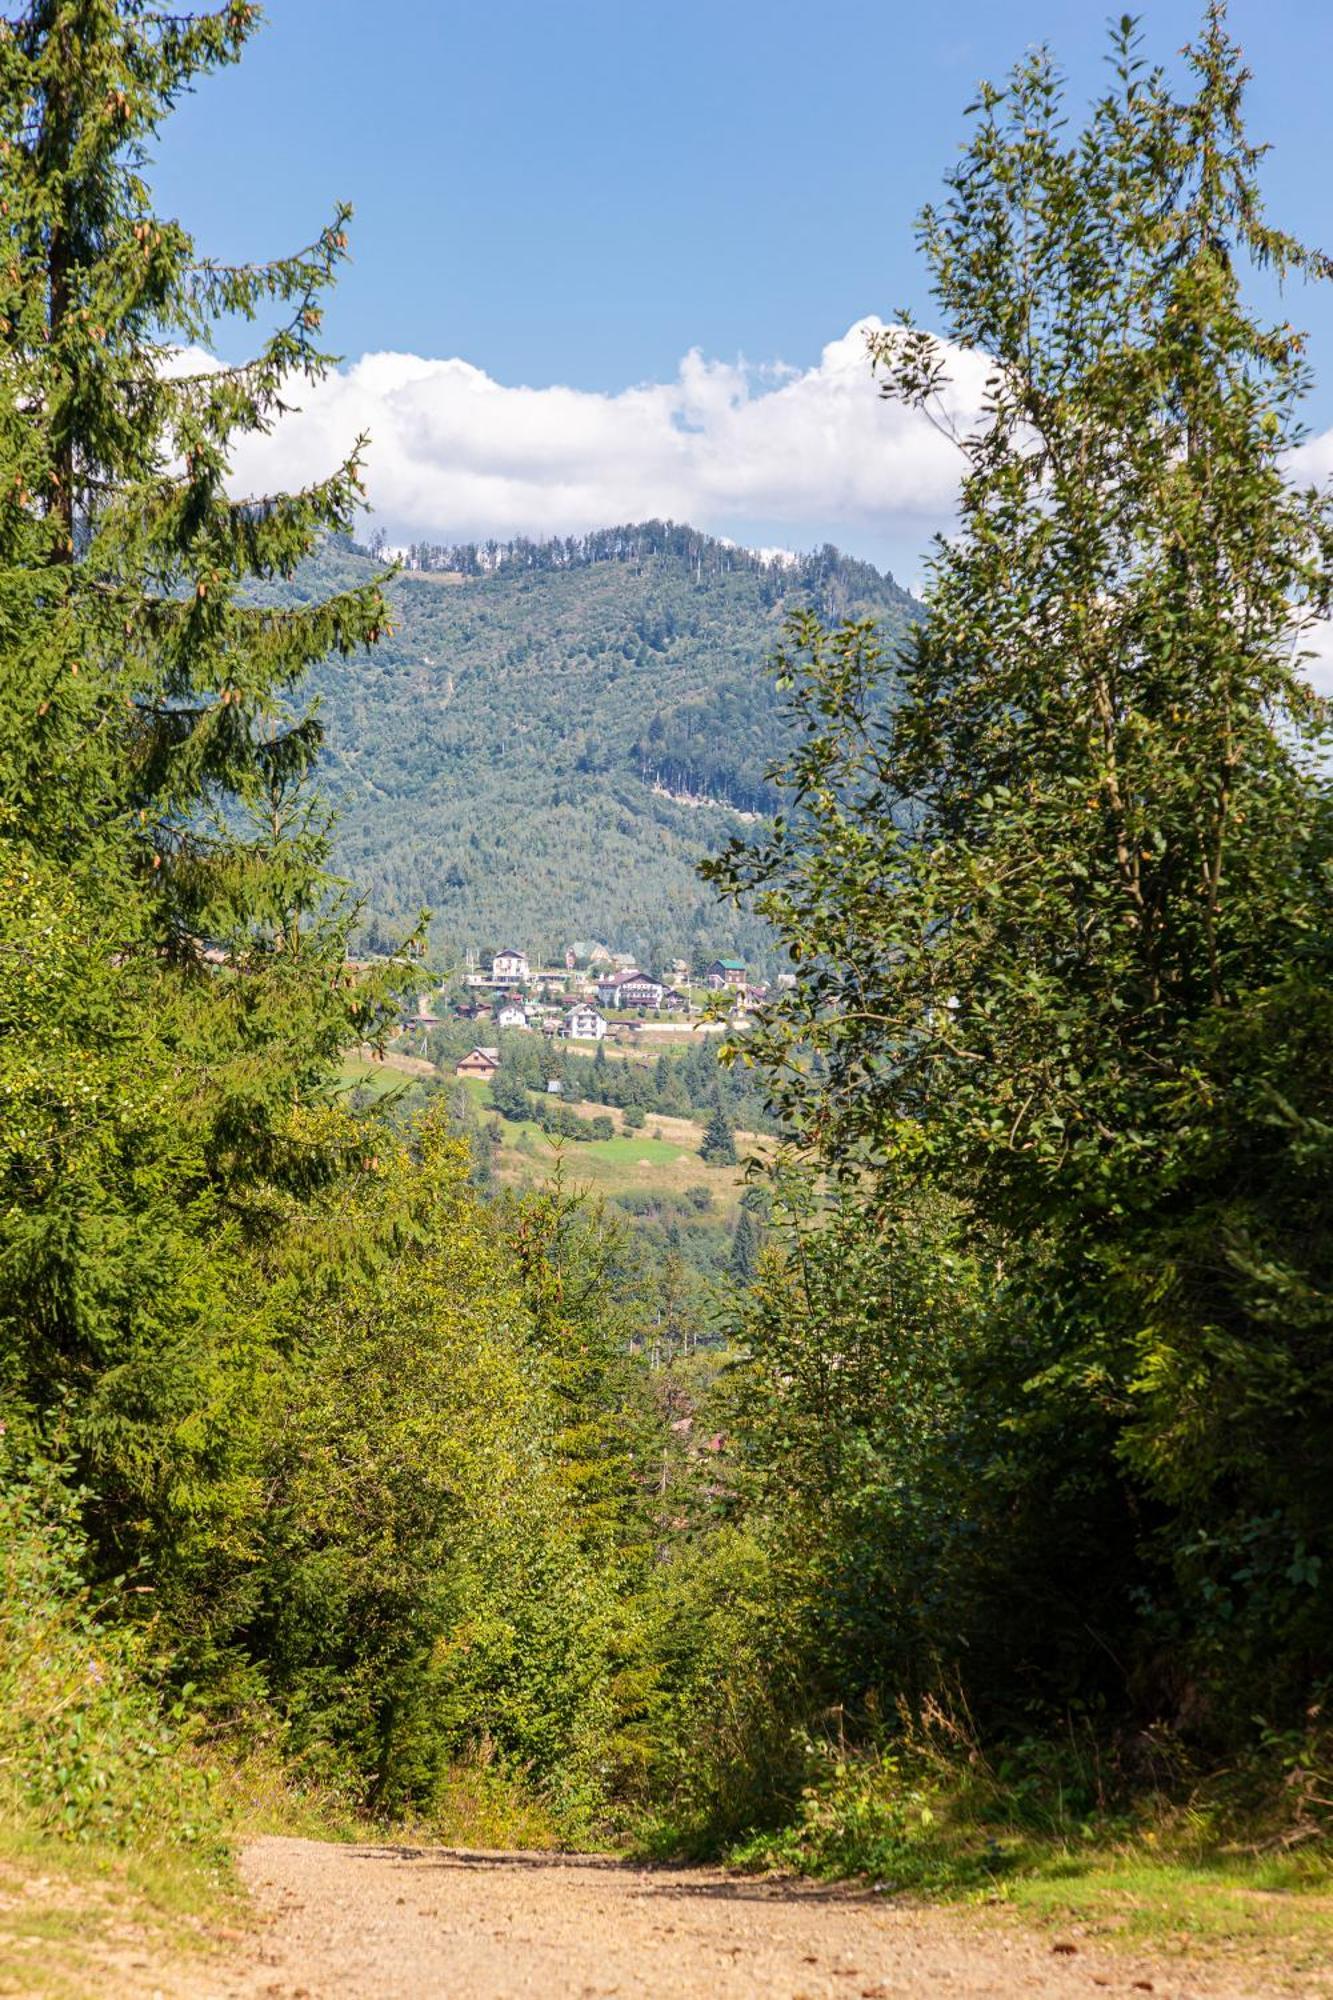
[
  {"x": 481, "y": 1063},
  {"x": 586, "y": 951},
  {"x": 510, "y": 968},
  {"x": 630, "y": 989},
  {"x": 726, "y": 972},
  {"x": 673, "y": 1001},
  {"x": 584, "y": 1024},
  {"x": 511, "y": 1013}
]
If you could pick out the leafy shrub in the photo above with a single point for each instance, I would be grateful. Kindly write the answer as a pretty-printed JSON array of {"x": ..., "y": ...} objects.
[
  {"x": 722, "y": 1721},
  {"x": 89, "y": 1748},
  {"x": 879, "y": 1814},
  {"x": 426, "y": 1598}
]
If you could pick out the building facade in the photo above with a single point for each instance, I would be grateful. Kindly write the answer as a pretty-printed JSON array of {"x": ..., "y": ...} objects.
[
  {"x": 584, "y": 1024},
  {"x": 481, "y": 1063},
  {"x": 510, "y": 966}
]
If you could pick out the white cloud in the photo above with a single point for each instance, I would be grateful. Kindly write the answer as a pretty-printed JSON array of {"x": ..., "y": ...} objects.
[
  {"x": 1313, "y": 460},
  {"x": 767, "y": 454},
  {"x": 727, "y": 447}
]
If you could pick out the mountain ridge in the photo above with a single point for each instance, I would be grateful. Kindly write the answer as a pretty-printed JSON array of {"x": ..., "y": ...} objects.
[{"x": 556, "y": 731}]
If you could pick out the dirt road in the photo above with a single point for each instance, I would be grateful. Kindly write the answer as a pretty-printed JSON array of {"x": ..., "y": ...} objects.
[{"x": 382, "y": 1923}]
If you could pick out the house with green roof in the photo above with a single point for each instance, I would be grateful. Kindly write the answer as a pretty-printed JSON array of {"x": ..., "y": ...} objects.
[{"x": 726, "y": 972}]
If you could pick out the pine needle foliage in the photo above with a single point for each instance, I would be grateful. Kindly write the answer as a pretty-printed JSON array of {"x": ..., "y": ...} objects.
[
  {"x": 173, "y": 980},
  {"x": 122, "y": 547},
  {"x": 718, "y": 1145}
]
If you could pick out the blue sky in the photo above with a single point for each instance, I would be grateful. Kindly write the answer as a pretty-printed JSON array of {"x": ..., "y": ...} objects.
[{"x": 579, "y": 195}]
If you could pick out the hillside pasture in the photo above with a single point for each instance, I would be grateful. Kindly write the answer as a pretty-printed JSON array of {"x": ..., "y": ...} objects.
[{"x": 661, "y": 1158}]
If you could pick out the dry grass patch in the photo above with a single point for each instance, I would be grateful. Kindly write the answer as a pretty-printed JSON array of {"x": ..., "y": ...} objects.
[{"x": 77, "y": 1920}]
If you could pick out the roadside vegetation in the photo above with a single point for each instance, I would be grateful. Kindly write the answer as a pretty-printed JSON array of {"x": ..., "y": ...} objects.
[{"x": 945, "y": 1503}]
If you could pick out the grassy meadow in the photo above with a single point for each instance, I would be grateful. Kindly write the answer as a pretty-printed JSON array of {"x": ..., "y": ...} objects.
[{"x": 660, "y": 1158}]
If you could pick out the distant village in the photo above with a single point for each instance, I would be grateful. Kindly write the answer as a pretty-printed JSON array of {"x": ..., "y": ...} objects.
[{"x": 595, "y": 993}]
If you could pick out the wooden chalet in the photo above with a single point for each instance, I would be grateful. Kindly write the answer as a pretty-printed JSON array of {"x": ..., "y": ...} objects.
[{"x": 481, "y": 1063}]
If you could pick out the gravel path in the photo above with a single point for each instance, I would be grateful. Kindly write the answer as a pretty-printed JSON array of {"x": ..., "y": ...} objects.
[{"x": 397, "y": 1923}]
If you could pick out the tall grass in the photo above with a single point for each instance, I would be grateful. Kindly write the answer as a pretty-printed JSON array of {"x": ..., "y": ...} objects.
[{"x": 1124, "y": 1835}]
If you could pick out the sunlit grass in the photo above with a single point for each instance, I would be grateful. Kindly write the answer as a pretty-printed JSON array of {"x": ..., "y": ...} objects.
[
  {"x": 1278, "y": 1910},
  {"x": 635, "y": 1161},
  {"x": 67, "y": 1906},
  {"x": 374, "y": 1079}
]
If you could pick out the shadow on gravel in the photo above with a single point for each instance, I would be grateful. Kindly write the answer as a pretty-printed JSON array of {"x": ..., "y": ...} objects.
[
  {"x": 656, "y": 1878},
  {"x": 488, "y": 1857}
]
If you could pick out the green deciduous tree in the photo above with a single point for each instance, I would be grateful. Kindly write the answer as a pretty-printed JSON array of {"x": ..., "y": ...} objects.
[
  {"x": 509, "y": 1095},
  {"x": 424, "y": 1593},
  {"x": 578, "y": 1283},
  {"x": 1065, "y": 914}
]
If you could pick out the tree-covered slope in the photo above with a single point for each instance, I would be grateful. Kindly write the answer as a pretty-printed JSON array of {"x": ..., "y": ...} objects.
[{"x": 553, "y": 734}]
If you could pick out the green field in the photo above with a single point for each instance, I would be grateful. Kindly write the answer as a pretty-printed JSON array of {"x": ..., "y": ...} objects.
[
  {"x": 662, "y": 1158},
  {"x": 371, "y": 1078}
]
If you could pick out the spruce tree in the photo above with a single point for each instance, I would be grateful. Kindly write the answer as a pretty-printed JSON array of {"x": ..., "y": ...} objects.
[
  {"x": 718, "y": 1146},
  {"x": 746, "y": 1243},
  {"x": 150, "y": 689},
  {"x": 155, "y": 808}
]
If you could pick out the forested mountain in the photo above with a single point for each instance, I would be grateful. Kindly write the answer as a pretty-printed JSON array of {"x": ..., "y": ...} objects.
[{"x": 553, "y": 733}]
